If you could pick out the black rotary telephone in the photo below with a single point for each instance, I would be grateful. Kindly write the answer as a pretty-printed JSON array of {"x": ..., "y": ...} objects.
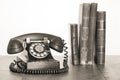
[{"x": 38, "y": 58}]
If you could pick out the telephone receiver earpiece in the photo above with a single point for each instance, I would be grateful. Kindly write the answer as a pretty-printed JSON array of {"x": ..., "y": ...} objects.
[{"x": 16, "y": 44}]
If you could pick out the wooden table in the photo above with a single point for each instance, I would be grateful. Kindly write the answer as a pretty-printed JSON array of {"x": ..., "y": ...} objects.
[{"x": 111, "y": 71}]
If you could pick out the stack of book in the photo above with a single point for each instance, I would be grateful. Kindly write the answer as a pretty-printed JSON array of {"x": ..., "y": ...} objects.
[{"x": 90, "y": 45}]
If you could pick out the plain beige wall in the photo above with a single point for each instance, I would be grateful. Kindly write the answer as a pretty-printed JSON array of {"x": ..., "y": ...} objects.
[{"x": 53, "y": 16}]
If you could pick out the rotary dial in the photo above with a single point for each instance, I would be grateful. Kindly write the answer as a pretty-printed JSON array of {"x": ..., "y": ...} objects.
[{"x": 38, "y": 50}]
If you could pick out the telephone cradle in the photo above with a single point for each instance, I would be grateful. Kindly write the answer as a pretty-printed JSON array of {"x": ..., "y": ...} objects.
[{"x": 36, "y": 54}]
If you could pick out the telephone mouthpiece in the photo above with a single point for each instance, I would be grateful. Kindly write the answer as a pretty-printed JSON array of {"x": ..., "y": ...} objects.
[{"x": 14, "y": 47}]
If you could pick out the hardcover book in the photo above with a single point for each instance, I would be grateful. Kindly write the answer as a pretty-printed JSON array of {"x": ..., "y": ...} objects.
[
  {"x": 79, "y": 26},
  {"x": 100, "y": 37},
  {"x": 92, "y": 31},
  {"x": 84, "y": 30},
  {"x": 74, "y": 43}
]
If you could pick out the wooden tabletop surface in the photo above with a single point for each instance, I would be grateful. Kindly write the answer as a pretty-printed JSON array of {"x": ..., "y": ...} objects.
[{"x": 111, "y": 71}]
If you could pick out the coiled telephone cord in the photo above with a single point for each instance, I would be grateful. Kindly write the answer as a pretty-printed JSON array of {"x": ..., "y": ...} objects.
[{"x": 48, "y": 71}]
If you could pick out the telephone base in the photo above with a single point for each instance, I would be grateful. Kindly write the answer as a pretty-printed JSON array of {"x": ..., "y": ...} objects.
[
  {"x": 43, "y": 65},
  {"x": 14, "y": 68}
]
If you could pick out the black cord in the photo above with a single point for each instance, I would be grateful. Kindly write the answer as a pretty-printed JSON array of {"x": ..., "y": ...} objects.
[{"x": 48, "y": 71}]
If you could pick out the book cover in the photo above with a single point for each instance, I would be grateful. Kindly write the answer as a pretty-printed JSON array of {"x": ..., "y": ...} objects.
[
  {"x": 100, "y": 37},
  {"x": 79, "y": 26},
  {"x": 74, "y": 44},
  {"x": 92, "y": 30},
  {"x": 84, "y": 30}
]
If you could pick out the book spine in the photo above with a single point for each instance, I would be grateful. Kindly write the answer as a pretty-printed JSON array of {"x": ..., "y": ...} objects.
[
  {"x": 74, "y": 44},
  {"x": 92, "y": 29},
  {"x": 79, "y": 26},
  {"x": 84, "y": 33},
  {"x": 100, "y": 37}
]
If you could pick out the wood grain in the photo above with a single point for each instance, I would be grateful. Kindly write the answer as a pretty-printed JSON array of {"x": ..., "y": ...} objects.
[{"x": 110, "y": 71}]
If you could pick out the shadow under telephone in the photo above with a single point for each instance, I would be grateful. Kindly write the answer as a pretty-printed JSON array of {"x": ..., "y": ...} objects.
[{"x": 39, "y": 58}]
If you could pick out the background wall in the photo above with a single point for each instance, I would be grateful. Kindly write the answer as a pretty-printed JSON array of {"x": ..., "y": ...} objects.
[{"x": 53, "y": 16}]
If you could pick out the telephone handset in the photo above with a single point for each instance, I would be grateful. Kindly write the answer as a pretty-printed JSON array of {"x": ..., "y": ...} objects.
[{"x": 39, "y": 59}]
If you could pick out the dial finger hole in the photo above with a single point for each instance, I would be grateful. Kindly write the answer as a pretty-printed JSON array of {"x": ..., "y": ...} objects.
[
  {"x": 42, "y": 44},
  {"x": 36, "y": 44},
  {"x": 41, "y": 55},
  {"x": 31, "y": 47},
  {"x": 38, "y": 54},
  {"x": 32, "y": 50},
  {"x": 45, "y": 54},
  {"x": 34, "y": 53}
]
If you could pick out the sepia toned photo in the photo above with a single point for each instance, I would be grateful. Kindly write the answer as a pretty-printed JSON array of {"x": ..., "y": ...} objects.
[{"x": 59, "y": 40}]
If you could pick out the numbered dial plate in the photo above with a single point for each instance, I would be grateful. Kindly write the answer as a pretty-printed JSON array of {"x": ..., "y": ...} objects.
[{"x": 38, "y": 50}]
